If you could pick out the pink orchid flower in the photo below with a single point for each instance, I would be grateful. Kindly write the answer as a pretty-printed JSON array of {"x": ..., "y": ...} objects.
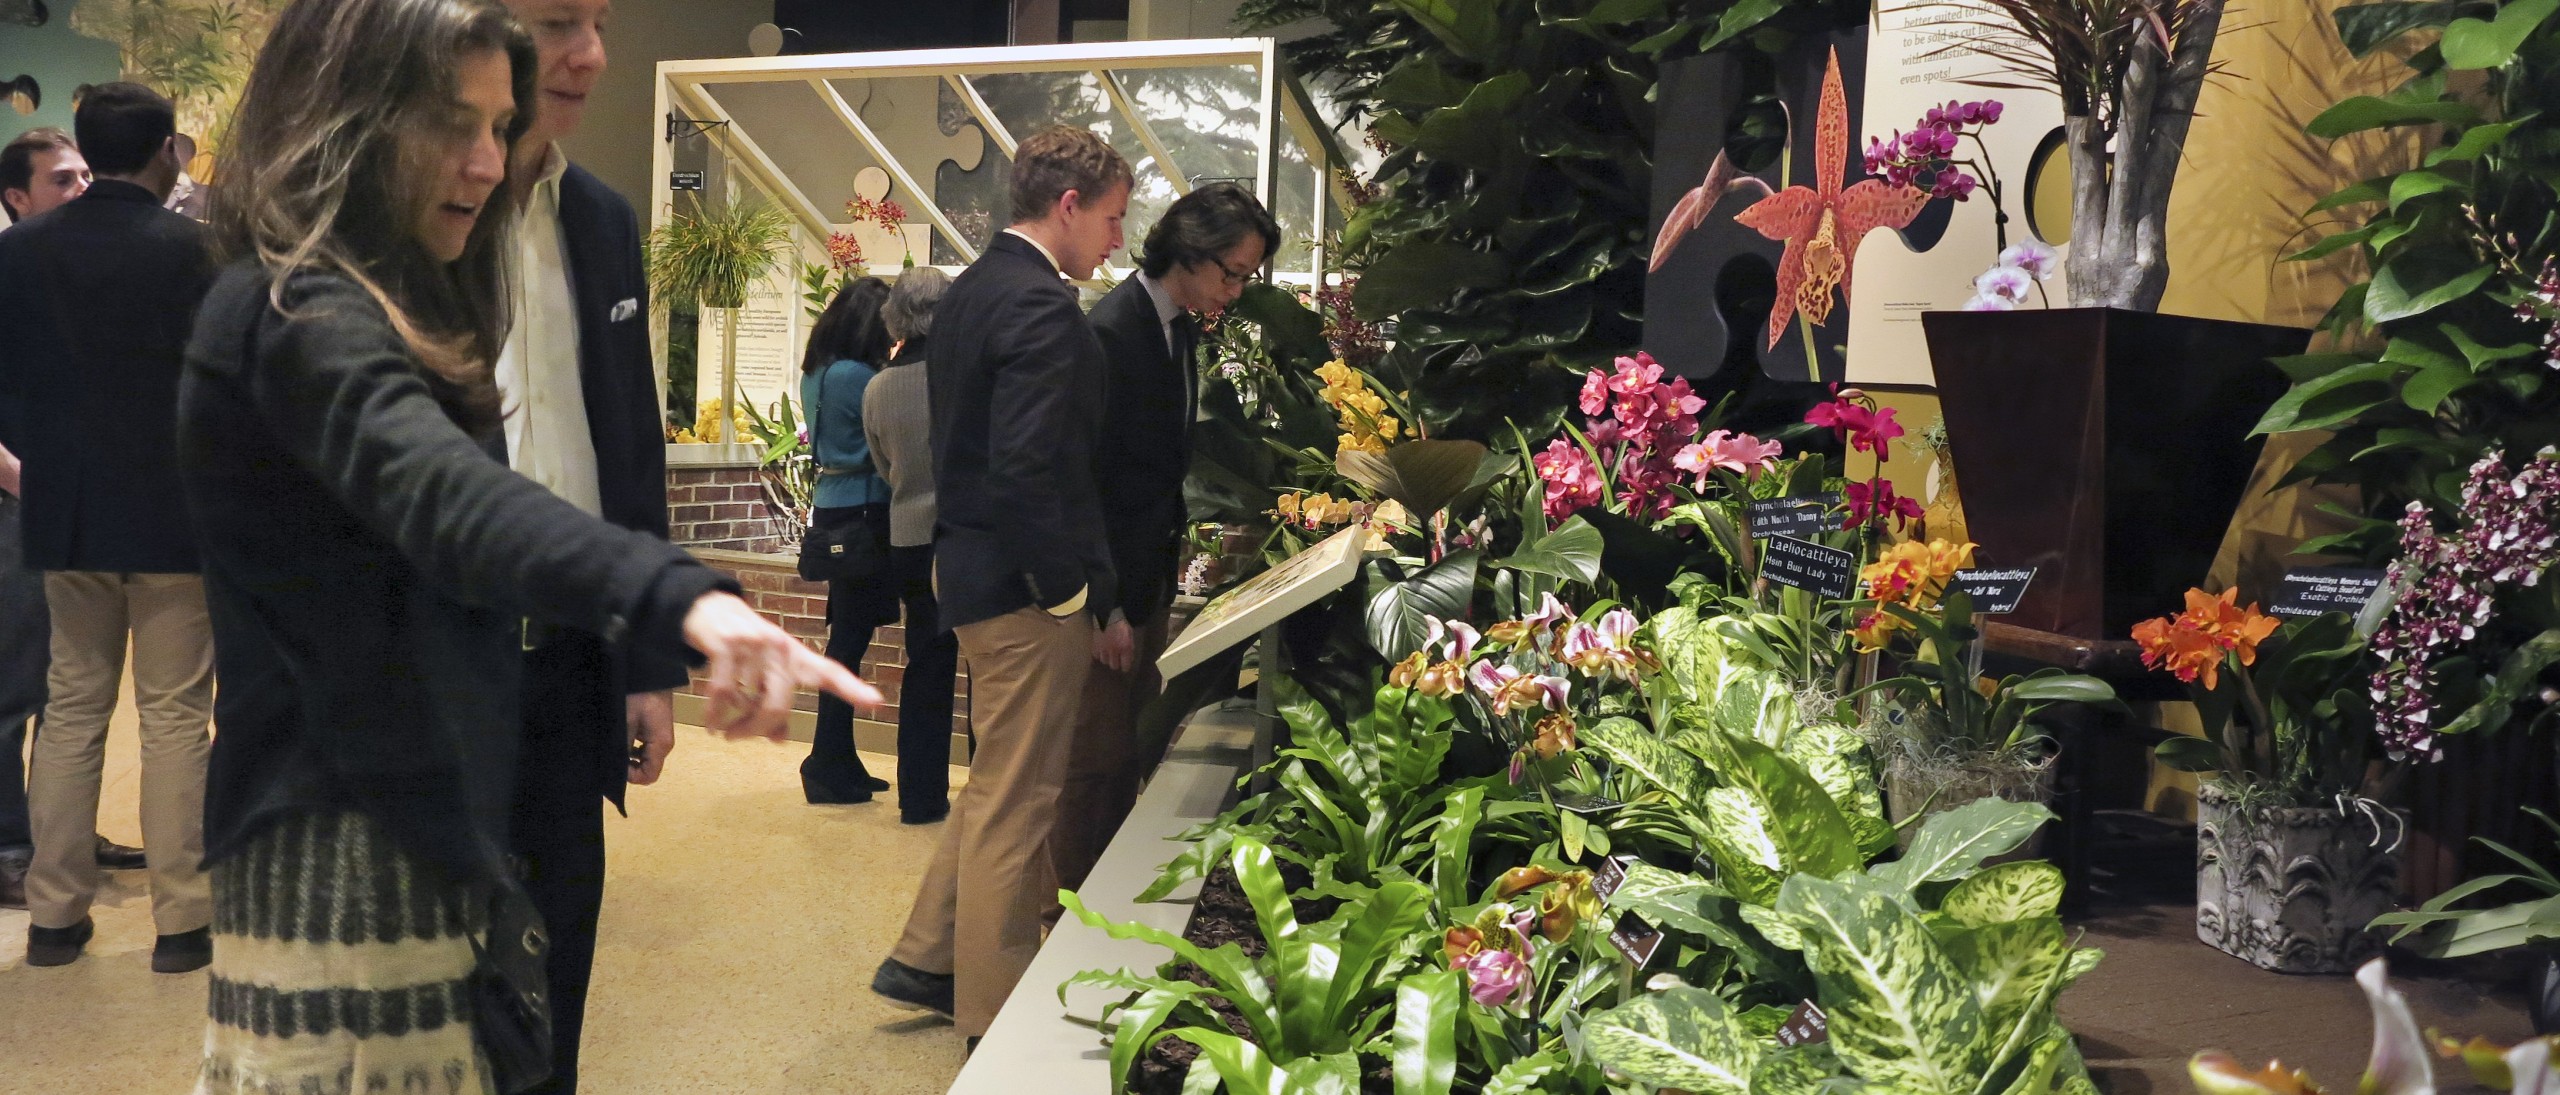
[
  {"x": 1739, "y": 453},
  {"x": 1494, "y": 977}
]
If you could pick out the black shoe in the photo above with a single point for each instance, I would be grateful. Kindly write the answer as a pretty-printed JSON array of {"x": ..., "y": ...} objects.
[
  {"x": 910, "y": 987},
  {"x": 873, "y": 784},
  {"x": 824, "y": 791},
  {"x": 118, "y": 857},
  {"x": 58, "y": 946},
  {"x": 13, "y": 882},
  {"x": 972, "y": 1051},
  {"x": 185, "y": 952},
  {"x": 926, "y": 815}
]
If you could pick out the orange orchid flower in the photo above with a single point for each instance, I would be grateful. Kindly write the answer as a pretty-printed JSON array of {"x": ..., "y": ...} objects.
[{"x": 1823, "y": 224}]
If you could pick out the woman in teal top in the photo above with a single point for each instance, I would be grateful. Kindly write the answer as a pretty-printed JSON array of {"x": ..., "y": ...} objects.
[{"x": 845, "y": 352}]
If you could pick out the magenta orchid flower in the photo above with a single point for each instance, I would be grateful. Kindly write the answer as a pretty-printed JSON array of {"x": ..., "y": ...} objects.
[
  {"x": 1494, "y": 977},
  {"x": 1462, "y": 639},
  {"x": 1607, "y": 647},
  {"x": 1550, "y": 612}
]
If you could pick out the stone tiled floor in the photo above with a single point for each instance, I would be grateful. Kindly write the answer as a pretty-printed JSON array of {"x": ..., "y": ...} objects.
[{"x": 741, "y": 927}]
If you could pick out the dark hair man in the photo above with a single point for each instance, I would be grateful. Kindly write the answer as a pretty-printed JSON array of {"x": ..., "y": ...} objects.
[
  {"x": 1016, "y": 393},
  {"x": 39, "y": 170},
  {"x": 582, "y": 419},
  {"x": 110, "y": 283},
  {"x": 1198, "y": 260}
]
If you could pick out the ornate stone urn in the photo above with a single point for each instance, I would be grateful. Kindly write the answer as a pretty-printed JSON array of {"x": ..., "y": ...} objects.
[{"x": 2291, "y": 889}]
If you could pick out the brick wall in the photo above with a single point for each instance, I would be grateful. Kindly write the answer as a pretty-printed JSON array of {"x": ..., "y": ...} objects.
[
  {"x": 772, "y": 584},
  {"x": 720, "y": 507}
]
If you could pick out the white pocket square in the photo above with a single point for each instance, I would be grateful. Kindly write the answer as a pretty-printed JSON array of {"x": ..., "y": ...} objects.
[{"x": 629, "y": 307}]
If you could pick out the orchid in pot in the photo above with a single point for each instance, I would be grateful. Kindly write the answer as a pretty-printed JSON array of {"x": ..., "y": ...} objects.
[
  {"x": 2293, "y": 856},
  {"x": 1950, "y": 735}
]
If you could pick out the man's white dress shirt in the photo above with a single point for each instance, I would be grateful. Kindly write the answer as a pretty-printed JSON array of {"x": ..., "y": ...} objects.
[{"x": 546, "y": 403}]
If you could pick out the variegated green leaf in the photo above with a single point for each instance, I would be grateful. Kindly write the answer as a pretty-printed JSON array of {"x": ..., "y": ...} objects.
[
  {"x": 1636, "y": 750},
  {"x": 1521, "y": 1075},
  {"x": 1795, "y": 1070},
  {"x": 2082, "y": 960},
  {"x": 1774, "y": 926},
  {"x": 1811, "y": 833},
  {"x": 1951, "y": 844},
  {"x": 2009, "y": 964},
  {"x": 1902, "y": 1013},
  {"x": 1686, "y": 1038},
  {"x": 2024, "y": 890},
  {"x": 1670, "y": 898}
]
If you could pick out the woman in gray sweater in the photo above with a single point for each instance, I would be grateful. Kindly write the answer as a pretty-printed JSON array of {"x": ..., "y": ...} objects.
[{"x": 898, "y": 424}]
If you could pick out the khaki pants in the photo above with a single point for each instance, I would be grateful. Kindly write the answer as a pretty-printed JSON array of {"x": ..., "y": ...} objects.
[
  {"x": 94, "y": 614},
  {"x": 977, "y": 914},
  {"x": 1103, "y": 766}
]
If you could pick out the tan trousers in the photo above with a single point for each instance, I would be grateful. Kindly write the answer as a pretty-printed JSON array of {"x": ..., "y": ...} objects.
[
  {"x": 1103, "y": 767},
  {"x": 977, "y": 914},
  {"x": 94, "y": 616}
]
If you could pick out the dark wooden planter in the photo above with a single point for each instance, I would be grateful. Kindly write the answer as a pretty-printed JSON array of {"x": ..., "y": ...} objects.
[{"x": 2107, "y": 448}]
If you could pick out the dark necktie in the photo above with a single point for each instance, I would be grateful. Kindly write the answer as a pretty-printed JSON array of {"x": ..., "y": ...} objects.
[{"x": 1186, "y": 364}]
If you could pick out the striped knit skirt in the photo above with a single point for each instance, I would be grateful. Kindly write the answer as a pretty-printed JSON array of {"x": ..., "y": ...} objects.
[{"x": 341, "y": 966}]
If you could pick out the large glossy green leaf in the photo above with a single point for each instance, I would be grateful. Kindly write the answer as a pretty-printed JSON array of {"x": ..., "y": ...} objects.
[
  {"x": 2025, "y": 890},
  {"x": 1672, "y": 899},
  {"x": 1450, "y": 839},
  {"x": 1421, "y": 273},
  {"x": 1471, "y": 30},
  {"x": 2370, "y": 112},
  {"x": 2428, "y": 388},
  {"x": 1378, "y": 927},
  {"x": 1780, "y": 930},
  {"x": 1420, "y": 83},
  {"x": 2331, "y": 398},
  {"x": 1903, "y": 1015},
  {"x": 1739, "y": 19},
  {"x": 1571, "y": 553},
  {"x": 2366, "y": 27},
  {"x": 2420, "y": 282},
  {"x": 1950, "y": 845},
  {"x": 2336, "y": 241},
  {"x": 1399, "y": 616},
  {"x": 1289, "y": 328},
  {"x": 2489, "y": 43},
  {"x": 1425, "y": 1054},
  {"x": 2476, "y": 141},
  {"x": 1478, "y": 132},
  {"x": 1686, "y": 1038},
  {"x": 2009, "y": 965}
]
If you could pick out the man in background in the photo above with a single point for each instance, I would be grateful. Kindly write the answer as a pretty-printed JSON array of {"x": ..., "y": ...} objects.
[
  {"x": 104, "y": 292},
  {"x": 1020, "y": 562},
  {"x": 582, "y": 420},
  {"x": 40, "y": 170},
  {"x": 1199, "y": 257}
]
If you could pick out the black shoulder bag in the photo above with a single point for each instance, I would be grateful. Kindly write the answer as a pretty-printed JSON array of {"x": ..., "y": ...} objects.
[{"x": 851, "y": 552}]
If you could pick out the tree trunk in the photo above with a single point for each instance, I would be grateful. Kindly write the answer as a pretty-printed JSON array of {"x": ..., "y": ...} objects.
[{"x": 2120, "y": 189}]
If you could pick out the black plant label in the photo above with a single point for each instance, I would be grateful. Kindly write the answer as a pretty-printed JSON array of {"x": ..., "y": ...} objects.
[
  {"x": 1805, "y": 565},
  {"x": 2313, "y": 591}
]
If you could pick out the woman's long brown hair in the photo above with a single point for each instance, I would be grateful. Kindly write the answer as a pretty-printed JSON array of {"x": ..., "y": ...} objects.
[{"x": 336, "y": 148}]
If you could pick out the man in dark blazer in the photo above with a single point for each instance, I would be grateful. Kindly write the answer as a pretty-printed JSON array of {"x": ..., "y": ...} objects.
[
  {"x": 581, "y": 397},
  {"x": 1199, "y": 257},
  {"x": 1021, "y": 565},
  {"x": 103, "y": 292}
]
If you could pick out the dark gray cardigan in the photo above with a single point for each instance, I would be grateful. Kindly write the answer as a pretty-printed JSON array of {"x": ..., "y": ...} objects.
[{"x": 369, "y": 566}]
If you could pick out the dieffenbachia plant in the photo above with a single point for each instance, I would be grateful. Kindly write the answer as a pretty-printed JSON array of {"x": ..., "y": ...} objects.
[{"x": 1938, "y": 975}]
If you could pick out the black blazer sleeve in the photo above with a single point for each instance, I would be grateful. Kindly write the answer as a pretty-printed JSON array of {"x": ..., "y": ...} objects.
[
  {"x": 618, "y": 379},
  {"x": 1041, "y": 405},
  {"x": 338, "y": 389},
  {"x": 1137, "y": 470}
]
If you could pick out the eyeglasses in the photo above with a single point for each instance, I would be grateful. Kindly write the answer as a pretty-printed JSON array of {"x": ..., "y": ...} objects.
[{"x": 1239, "y": 280}]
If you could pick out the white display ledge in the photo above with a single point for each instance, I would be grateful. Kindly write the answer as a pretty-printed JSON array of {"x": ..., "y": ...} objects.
[{"x": 1035, "y": 1045}]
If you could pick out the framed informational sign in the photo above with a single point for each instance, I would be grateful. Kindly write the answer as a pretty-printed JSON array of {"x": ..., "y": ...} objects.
[{"x": 1269, "y": 597}]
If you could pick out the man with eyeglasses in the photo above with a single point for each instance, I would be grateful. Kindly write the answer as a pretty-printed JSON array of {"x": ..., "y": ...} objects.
[{"x": 1198, "y": 260}]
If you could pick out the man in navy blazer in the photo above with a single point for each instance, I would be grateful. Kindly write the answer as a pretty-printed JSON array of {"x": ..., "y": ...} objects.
[
  {"x": 583, "y": 420},
  {"x": 1198, "y": 259},
  {"x": 103, "y": 293},
  {"x": 1020, "y": 564}
]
